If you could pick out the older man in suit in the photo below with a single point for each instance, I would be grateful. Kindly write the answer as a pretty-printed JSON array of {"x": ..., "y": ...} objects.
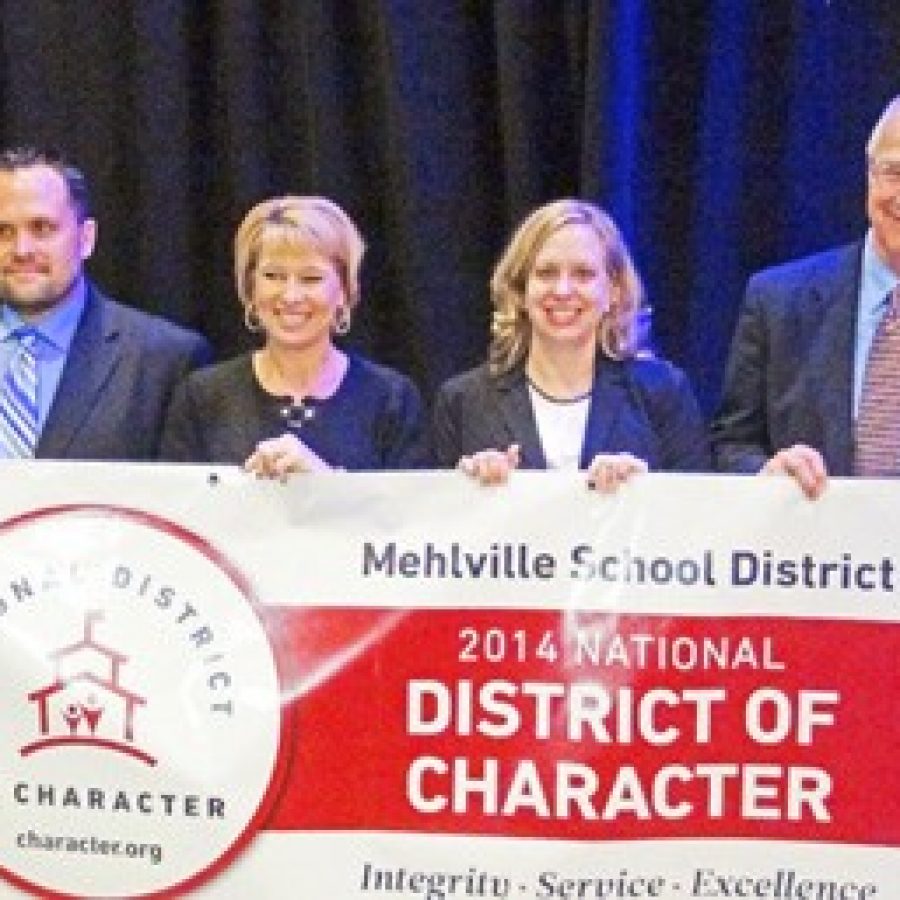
[
  {"x": 83, "y": 377},
  {"x": 804, "y": 391}
]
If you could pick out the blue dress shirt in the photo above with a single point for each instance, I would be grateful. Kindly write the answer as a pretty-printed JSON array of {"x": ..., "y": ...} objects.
[{"x": 55, "y": 332}]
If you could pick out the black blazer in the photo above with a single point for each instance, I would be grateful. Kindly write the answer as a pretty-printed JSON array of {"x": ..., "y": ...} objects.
[
  {"x": 789, "y": 377},
  {"x": 116, "y": 383},
  {"x": 639, "y": 406},
  {"x": 374, "y": 420}
]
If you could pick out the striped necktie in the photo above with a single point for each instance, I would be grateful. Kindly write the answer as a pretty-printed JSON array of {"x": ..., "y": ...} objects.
[
  {"x": 19, "y": 398},
  {"x": 878, "y": 422}
]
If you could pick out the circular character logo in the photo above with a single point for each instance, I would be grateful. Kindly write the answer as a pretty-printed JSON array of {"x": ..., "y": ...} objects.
[{"x": 142, "y": 720}]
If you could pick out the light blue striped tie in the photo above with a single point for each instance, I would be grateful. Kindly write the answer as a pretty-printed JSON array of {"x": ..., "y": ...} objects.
[{"x": 19, "y": 399}]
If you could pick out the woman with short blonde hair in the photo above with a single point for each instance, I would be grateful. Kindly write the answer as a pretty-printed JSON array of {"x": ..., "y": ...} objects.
[
  {"x": 299, "y": 402},
  {"x": 314, "y": 221}
]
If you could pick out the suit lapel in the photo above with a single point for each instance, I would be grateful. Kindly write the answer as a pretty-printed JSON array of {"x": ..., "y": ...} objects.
[
  {"x": 92, "y": 358},
  {"x": 519, "y": 423},
  {"x": 606, "y": 408},
  {"x": 517, "y": 418},
  {"x": 835, "y": 310}
]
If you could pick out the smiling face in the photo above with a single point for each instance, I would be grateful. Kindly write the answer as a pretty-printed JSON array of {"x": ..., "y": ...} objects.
[
  {"x": 568, "y": 289},
  {"x": 43, "y": 245},
  {"x": 296, "y": 291},
  {"x": 883, "y": 198}
]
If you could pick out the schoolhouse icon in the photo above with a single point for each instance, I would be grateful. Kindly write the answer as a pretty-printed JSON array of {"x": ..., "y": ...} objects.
[{"x": 85, "y": 704}]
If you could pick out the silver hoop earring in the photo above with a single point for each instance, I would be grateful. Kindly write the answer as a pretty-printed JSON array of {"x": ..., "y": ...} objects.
[
  {"x": 342, "y": 320},
  {"x": 251, "y": 319}
]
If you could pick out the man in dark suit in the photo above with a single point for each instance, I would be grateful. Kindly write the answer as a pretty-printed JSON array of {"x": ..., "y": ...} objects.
[
  {"x": 795, "y": 379},
  {"x": 104, "y": 372}
]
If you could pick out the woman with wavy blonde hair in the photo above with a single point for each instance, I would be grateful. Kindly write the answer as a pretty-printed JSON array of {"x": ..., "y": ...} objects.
[
  {"x": 564, "y": 386},
  {"x": 299, "y": 402}
]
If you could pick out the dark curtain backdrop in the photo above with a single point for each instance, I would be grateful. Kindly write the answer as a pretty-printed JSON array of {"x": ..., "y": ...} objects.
[{"x": 722, "y": 135}]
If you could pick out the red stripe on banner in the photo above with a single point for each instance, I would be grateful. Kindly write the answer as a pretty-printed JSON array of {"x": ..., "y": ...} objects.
[{"x": 590, "y": 726}]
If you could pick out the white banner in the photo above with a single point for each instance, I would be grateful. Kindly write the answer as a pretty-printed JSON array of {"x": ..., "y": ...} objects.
[{"x": 364, "y": 686}]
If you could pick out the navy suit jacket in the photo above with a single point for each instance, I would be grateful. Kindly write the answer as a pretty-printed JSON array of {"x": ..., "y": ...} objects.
[
  {"x": 789, "y": 377},
  {"x": 639, "y": 406},
  {"x": 116, "y": 383}
]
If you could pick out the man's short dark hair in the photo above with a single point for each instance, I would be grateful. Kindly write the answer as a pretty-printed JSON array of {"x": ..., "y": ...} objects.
[{"x": 14, "y": 158}]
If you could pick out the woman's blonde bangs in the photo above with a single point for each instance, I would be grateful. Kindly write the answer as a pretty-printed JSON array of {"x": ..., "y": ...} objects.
[{"x": 299, "y": 223}]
